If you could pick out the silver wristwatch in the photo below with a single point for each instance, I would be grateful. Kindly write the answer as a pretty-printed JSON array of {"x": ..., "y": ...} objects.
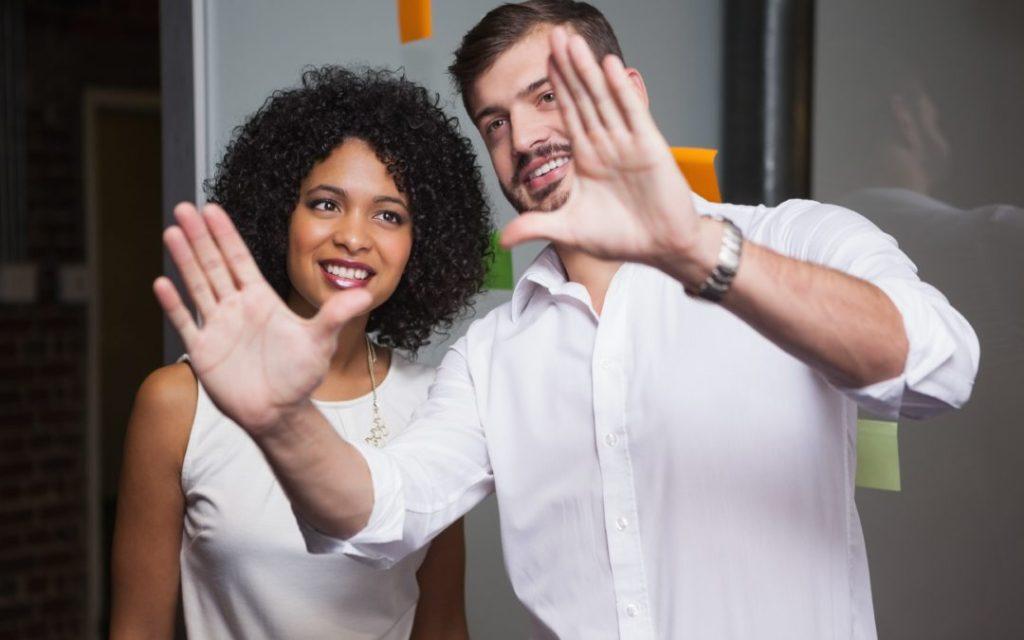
[{"x": 718, "y": 283}]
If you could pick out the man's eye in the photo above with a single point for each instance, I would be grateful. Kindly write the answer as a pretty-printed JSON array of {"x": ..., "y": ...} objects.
[{"x": 494, "y": 124}]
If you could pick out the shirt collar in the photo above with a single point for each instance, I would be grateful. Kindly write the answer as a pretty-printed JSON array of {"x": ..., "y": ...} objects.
[{"x": 545, "y": 271}]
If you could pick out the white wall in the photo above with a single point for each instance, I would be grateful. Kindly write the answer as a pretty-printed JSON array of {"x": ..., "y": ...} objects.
[{"x": 252, "y": 47}]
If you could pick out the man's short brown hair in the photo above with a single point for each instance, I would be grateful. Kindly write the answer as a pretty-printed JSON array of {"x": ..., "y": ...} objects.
[{"x": 507, "y": 24}]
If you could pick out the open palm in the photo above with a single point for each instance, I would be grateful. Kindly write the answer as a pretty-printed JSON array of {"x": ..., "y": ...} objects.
[
  {"x": 254, "y": 356},
  {"x": 629, "y": 201}
]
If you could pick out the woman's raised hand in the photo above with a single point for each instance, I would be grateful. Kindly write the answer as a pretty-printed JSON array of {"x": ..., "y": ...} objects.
[{"x": 256, "y": 358}]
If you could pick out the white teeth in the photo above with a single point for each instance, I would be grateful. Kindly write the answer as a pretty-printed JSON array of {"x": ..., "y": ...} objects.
[
  {"x": 548, "y": 166},
  {"x": 346, "y": 272}
]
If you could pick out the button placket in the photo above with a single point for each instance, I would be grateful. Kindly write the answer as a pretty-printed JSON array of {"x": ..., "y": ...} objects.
[{"x": 618, "y": 484}]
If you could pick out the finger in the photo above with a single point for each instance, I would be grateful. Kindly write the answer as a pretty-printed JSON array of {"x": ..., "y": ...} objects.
[
  {"x": 593, "y": 77},
  {"x": 339, "y": 309},
  {"x": 236, "y": 253},
  {"x": 206, "y": 250},
  {"x": 195, "y": 280},
  {"x": 535, "y": 226},
  {"x": 176, "y": 311},
  {"x": 576, "y": 90},
  {"x": 635, "y": 113},
  {"x": 581, "y": 146}
]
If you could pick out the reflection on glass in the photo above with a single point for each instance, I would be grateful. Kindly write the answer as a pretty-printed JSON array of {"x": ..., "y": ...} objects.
[{"x": 917, "y": 128}]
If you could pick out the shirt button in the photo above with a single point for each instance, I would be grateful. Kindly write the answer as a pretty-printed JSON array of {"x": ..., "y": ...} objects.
[
  {"x": 632, "y": 610},
  {"x": 622, "y": 523},
  {"x": 611, "y": 439},
  {"x": 607, "y": 364}
]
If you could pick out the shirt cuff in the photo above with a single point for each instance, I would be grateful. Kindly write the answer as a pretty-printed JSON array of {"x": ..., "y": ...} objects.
[
  {"x": 925, "y": 386},
  {"x": 882, "y": 399},
  {"x": 930, "y": 344},
  {"x": 386, "y": 521}
]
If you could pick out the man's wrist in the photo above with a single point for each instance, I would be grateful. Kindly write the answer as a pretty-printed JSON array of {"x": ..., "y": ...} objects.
[{"x": 693, "y": 261}]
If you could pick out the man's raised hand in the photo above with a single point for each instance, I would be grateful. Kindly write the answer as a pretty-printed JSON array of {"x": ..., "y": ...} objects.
[
  {"x": 256, "y": 359},
  {"x": 629, "y": 200}
]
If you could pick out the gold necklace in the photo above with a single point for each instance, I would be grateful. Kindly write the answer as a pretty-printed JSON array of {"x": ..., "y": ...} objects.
[{"x": 379, "y": 432}]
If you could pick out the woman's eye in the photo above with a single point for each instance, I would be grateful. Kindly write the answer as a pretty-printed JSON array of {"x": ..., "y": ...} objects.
[
  {"x": 324, "y": 205},
  {"x": 548, "y": 97},
  {"x": 391, "y": 217}
]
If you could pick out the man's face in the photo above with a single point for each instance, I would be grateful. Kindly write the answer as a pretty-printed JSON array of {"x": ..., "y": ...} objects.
[{"x": 513, "y": 107}]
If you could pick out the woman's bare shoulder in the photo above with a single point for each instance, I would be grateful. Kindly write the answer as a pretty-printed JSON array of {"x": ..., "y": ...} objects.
[{"x": 165, "y": 407}]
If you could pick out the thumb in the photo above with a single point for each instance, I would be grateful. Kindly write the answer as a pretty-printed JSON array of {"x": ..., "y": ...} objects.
[
  {"x": 339, "y": 309},
  {"x": 534, "y": 226}
]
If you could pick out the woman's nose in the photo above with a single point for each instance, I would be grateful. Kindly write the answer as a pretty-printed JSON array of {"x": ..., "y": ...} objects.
[{"x": 351, "y": 233}]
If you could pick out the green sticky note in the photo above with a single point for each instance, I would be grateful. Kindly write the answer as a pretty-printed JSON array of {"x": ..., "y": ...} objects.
[
  {"x": 878, "y": 456},
  {"x": 499, "y": 270}
]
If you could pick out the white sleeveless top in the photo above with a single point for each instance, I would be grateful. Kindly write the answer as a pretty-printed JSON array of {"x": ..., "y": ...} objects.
[{"x": 245, "y": 571}]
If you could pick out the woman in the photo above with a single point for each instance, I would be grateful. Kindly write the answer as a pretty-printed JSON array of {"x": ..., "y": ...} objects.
[{"x": 351, "y": 180}]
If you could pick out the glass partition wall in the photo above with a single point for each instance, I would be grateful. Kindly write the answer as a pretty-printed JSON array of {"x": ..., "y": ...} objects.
[{"x": 917, "y": 125}]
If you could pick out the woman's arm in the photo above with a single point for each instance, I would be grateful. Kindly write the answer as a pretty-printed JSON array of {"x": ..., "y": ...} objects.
[
  {"x": 151, "y": 506},
  {"x": 441, "y": 611}
]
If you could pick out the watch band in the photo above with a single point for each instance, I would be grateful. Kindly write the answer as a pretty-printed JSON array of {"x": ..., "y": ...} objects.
[{"x": 718, "y": 283}]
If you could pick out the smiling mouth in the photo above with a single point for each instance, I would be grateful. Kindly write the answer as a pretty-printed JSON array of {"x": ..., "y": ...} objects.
[
  {"x": 546, "y": 174},
  {"x": 548, "y": 167},
  {"x": 344, "y": 276}
]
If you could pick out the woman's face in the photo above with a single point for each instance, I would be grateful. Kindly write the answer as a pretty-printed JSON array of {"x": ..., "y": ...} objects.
[{"x": 351, "y": 228}]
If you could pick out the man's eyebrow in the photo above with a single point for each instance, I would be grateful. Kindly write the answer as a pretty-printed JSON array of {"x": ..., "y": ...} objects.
[
  {"x": 530, "y": 88},
  {"x": 533, "y": 86}
]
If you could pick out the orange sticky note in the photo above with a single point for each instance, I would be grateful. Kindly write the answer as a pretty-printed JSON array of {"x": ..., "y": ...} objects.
[
  {"x": 413, "y": 20},
  {"x": 698, "y": 165}
]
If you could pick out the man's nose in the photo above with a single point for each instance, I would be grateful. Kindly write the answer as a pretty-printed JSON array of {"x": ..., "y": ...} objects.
[{"x": 528, "y": 132}]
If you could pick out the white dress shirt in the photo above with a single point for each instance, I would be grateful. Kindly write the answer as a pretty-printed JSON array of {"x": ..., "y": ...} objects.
[{"x": 663, "y": 470}]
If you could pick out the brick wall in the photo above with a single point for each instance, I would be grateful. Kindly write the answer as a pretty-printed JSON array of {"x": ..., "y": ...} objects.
[
  {"x": 42, "y": 515},
  {"x": 70, "y": 45}
]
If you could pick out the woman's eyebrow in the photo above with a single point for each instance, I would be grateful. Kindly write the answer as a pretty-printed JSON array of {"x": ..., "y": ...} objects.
[
  {"x": 338, "y": 191},
  {"x": 391, "y": 199}
]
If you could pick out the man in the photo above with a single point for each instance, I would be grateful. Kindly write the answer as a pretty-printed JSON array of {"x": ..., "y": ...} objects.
[{"x": 665, "y": 465}]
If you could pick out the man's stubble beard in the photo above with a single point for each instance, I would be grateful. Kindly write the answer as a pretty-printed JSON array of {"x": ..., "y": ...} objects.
[
  {"x": 540, "y": 199},
  {"x": 536, "y": 202}
]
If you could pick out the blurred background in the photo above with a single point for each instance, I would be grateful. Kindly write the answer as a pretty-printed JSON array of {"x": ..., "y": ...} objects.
[{"x": 113, "y": 110}]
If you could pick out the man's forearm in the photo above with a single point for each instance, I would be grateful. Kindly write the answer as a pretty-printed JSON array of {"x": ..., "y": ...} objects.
[
  {"x": 326, "y": 478},
  {"x": 845, "y": 327}
]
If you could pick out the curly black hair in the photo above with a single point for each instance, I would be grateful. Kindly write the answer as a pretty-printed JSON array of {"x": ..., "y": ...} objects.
[{"x": 258, "y": 182}]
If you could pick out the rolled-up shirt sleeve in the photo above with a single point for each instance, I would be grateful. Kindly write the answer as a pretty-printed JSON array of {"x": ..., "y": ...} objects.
[
  {"x": 942, "y": 359},
  {"x": 425, "y": 478}
]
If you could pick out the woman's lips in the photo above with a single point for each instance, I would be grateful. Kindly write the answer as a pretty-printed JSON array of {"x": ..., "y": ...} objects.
[{"x": 344, "y": 282}]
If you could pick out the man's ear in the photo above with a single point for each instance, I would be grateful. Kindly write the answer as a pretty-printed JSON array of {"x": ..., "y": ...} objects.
[{"x": 638, "y": 82}]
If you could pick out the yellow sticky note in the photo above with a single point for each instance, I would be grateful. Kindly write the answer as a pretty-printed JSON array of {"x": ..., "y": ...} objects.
[
  {"x": 878, "y": 456},
  {"x": 413, "y": 20},
  {"x": 698, "y": 165}
]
